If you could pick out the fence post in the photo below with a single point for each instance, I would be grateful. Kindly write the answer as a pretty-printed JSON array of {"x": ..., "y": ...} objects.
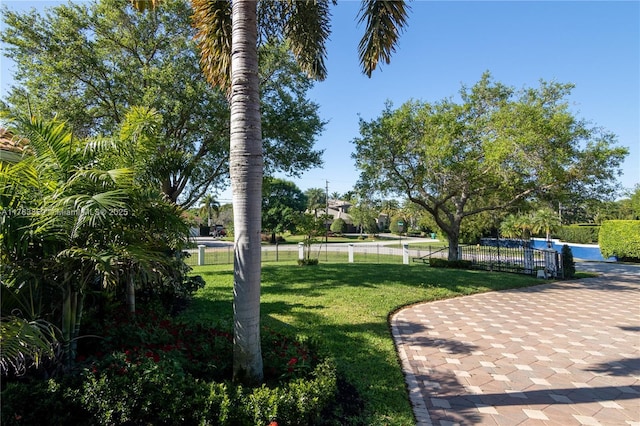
[
  {"x": 550, "y": 263},
  {"x": 301, "y": 251},
  {"x": 528, "y": 260},
  {"x": 350, "y": 252},
  {"x": 201, "y": 248},
  {"x": 405, "y": 254}
]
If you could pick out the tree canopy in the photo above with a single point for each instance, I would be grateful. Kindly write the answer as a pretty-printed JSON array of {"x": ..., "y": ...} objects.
[
  {"x": 491, "y": 150},
  {"x": 282, "y": 202},
  {"x": 91, "y": 63}
]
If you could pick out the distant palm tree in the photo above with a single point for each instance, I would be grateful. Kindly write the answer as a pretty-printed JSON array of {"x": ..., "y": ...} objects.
[
  {"x": 209, "y": 205},
  {"x": 510, "y": 227},
  {"x": 316, "y": 199},
  {"x": 228, "y": 39},
  {"x": 545, "y": 220}
]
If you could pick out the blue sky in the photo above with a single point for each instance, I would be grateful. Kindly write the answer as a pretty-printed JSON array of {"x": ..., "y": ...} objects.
[{"x": 594, "y": 45}]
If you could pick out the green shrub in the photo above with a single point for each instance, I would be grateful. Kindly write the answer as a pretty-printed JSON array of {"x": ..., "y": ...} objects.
[
  {"x": 150, "y": 369},
  {"x": 580, "y": 234},
  {"x": 307, "y": 262},
  {"x": 299, "y": 402},
  {"x": 296, "y": 403},
  {"x": 568, "y": 265},
  {"x": 338, "y": 226},
  {"x": 620, "y": 238},
  {"x": 142, "y": 390},
  {"x": 148, "y": 392},
  {"x": 455, "y": 264},
  {"x": 395, "y": 228},
  {"x": 30, "y": 402}
]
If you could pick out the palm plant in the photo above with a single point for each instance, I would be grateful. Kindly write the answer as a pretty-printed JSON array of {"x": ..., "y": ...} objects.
[
  {"x": 510, "y": 227},
  {"x": 208, "y": 205},
  {"x": 84, "y": 226},
  {"x": 316, "y": 199},
  {"x": 545, "y": 220},
  {"x": 228, "y": 40}
]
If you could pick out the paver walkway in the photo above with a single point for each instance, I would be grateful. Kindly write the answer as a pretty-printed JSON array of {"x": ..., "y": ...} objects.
[{"x": 564, "y": 353}]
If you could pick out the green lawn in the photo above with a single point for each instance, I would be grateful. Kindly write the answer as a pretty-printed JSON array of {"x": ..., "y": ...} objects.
[{"x": 346, "y": 306}]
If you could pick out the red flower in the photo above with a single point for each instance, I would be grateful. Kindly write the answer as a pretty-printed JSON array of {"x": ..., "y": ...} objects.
[
  {"x": 273, "y": 423},
  {"x": 292, "y": 361}
]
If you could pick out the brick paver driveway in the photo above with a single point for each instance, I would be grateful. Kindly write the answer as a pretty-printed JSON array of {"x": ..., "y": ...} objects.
[{"x": 564, "y": 353}]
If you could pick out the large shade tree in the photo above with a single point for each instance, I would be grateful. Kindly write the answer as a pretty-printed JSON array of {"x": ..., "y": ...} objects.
[
  {"x": 92, "y": 64},
  {"x": 488, "y": 152},
  {"x": 228, "y": 34},
  {"x": 282, "y": 203}
]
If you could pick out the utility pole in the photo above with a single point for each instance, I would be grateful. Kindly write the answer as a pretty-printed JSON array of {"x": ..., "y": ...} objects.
[{"x": 326, "y": 229}]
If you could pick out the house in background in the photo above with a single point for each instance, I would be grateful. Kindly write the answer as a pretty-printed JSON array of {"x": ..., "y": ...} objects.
[
  {"x": 339, "y": 209},
  {"x": 10, "y": 147}
]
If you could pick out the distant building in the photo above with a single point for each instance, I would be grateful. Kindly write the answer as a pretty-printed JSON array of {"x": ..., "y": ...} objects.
[
  {"x": 11, "y": 147},
  {"x": 339, "y": 209}
]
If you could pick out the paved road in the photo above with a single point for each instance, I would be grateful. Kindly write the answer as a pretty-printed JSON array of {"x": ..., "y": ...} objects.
[{"x": 562, "y": 353}]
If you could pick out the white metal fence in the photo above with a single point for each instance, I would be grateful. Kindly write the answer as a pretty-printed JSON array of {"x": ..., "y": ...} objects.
[{"x": 520, "y": 260}]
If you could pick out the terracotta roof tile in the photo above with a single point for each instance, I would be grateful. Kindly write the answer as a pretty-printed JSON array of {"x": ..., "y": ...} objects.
[{"x": 8, "y": 142}]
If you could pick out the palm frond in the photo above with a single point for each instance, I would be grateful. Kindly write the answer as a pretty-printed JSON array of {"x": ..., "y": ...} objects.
[
  {"x": 15, "y": 176},
  {"x": 99, "y": 145},
  {"x": 93, "y": 180},
  {"x": 51, "y": 142},
  {"x": 385, "y": 21},
  {"x": 307, "y": 30},
  {"x": 212, "y": 20},
  {"x": 143, "y": 5},
  {"x": 23, "y": 343}
]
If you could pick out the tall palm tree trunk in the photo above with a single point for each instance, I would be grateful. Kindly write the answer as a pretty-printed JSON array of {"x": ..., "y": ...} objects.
[{"x": 246, "y": 182}]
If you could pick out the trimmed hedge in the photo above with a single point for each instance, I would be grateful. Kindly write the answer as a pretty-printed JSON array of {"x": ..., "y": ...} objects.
[
  {"x": 580, "y": 234},
  {"x": 454, "y": 264},
  {"x": 620, "y": 238}
]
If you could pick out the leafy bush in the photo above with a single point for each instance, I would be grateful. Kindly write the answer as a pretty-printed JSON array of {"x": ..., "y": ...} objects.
[
  {"x": 307, "y": 262},
  {"x": 620, "y": 238},
  {"x": 142, "y": 390},
  {"x": 395, "y": 228},
  {"x": 150, "y": 369},
  {"x": 580, "y": 234},
  {"x": 455, "y": 264},
  {"x": 31, "y": 402},
  {"x": 568, "y": 265},
  {"x": 297, "y": 403},
  {"x": 338, "y": 226}
]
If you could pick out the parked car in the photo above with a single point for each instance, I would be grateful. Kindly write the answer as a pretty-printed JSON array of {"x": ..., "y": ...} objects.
[{"x": 218, "y": 231}]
